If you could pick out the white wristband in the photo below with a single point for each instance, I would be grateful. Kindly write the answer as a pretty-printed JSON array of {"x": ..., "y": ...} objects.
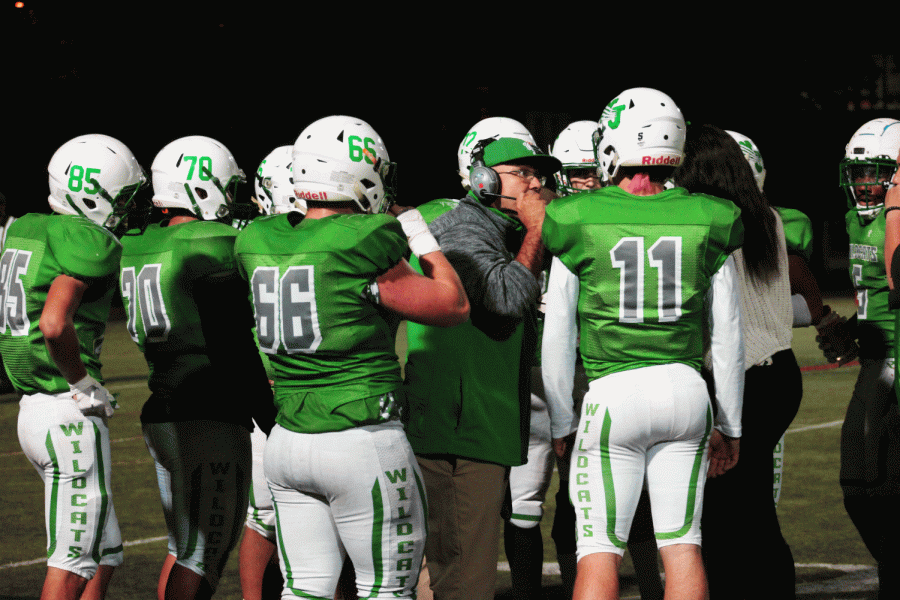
[{"x": 421, "y": 242}]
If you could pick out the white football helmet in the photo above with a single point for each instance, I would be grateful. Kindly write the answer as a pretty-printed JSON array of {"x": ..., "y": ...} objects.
[
  {"x": 96, "y": 176},
  {"x": 574, "y": 148},
  {"x": 870, "y": 160},
  {"x": 490, "y": 128},
  {"x": 196, "y": 173},
  {"x": 751, "y": 153},
  {"x": 274, "y": 184},
  {"x": 341, "y": 158},
  {"x": 640, "y": 127}
]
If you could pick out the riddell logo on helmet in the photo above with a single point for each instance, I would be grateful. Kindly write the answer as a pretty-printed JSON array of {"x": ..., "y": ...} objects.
[
  {"x": 312, "y": 196},
  {"x": 661, "y": 160}
]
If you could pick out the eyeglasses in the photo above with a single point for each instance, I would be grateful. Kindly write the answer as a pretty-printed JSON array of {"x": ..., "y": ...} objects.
[{"x": 525, "y": 174}]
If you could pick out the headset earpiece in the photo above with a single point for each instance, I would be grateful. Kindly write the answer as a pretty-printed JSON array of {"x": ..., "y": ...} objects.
[{"x": 483, "y": 180}]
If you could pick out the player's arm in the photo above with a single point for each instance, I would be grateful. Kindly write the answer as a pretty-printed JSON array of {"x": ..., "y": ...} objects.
[
  {"x": 727, "y": 350},
  {"x": 806, "y": 298},
  {"x": 57, "y": 325},
  {"x": 558, "y": 353},
  {"x": 435, "y": 298}
]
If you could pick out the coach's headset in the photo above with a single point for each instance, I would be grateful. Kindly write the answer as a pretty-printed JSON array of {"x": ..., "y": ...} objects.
[{"x": 483, "y": 180}]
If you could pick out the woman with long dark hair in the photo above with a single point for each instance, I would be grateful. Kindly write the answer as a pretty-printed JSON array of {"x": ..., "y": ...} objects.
[{"x": 741, "y": 534}]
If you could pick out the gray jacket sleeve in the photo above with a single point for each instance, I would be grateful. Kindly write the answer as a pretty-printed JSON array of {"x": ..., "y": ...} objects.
[{"x": 481, "y": 246}]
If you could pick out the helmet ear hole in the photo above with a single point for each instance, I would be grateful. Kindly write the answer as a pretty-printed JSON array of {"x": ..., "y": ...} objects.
[
  {"x": 89, "y": 203},
  {"x": 201, "y": 193}
]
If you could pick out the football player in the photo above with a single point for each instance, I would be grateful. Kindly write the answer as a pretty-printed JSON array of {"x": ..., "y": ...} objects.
[
  {"x": 260, "y": 574},
  {"x": 891, "y": 243},
  {"x": 274, "y": 184},
  {"x": 870, "y": 435},
  {"x": 638, "y": 288},
  {"x": 57, "y": 282},
  {"x": 329, "y": 291},
  {"x": 5, "y": 221},
  {"x": 189, "y": 314},
  {"x": 574, "y": 148}
]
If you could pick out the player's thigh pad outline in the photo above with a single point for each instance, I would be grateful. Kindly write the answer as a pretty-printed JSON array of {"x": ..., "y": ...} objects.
[
  {"x": 203, "y": 472},
  {"x": 528, "y": 483},
  {"x": 261, "y": 509},
  {"x": 71, "y": 453},
  {"x": 357, "y": 492},
  {"x": 650, "y": 424}
]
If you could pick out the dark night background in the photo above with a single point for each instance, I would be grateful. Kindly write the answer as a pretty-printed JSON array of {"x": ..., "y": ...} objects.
[{"x": 253, "y": 79}]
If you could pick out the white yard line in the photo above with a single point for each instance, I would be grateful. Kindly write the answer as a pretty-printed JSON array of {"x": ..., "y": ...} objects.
[
  {"x": 811, "y": 427},
  {"x": 38, "y": 561}
]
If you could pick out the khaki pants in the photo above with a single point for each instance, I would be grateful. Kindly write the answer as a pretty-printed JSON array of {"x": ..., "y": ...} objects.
[{"x": 464, "y": 502}]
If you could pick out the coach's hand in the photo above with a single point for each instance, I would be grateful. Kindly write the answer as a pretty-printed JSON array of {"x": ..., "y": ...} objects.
[{"x": 531, "y": 208}]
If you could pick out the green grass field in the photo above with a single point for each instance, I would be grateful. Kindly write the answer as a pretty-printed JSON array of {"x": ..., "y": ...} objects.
[{"x": 812, "y": 516}]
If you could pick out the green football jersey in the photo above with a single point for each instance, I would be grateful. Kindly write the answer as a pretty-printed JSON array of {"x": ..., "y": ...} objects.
[
  {"x": 38, "y": 249},
  {"x": 314, "y": 295},
  {"x": 159, "y": 268},
  {"x": 644, "y": 265},
  {"x": 798, "y": 233},
  {"x": 867, "y": 271}
]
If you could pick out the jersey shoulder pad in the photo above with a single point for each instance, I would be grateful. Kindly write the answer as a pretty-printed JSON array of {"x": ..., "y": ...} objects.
[
  {"x": 726, "y": 227},
  {"x": 208, "y": 244},
  {"x": 562, "y": 219},
  {"x": 433, "y": 209},
  {"x": 566, "y": 208},
  {"x": 380, "y": 235},
  {"x": 798, "y": 231},
  {"x": 851, "y": 218},
  {"x": 82, "y": 248},
  {"x": 255, "y": 229},
  {"x": 374, "y": 239}
]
